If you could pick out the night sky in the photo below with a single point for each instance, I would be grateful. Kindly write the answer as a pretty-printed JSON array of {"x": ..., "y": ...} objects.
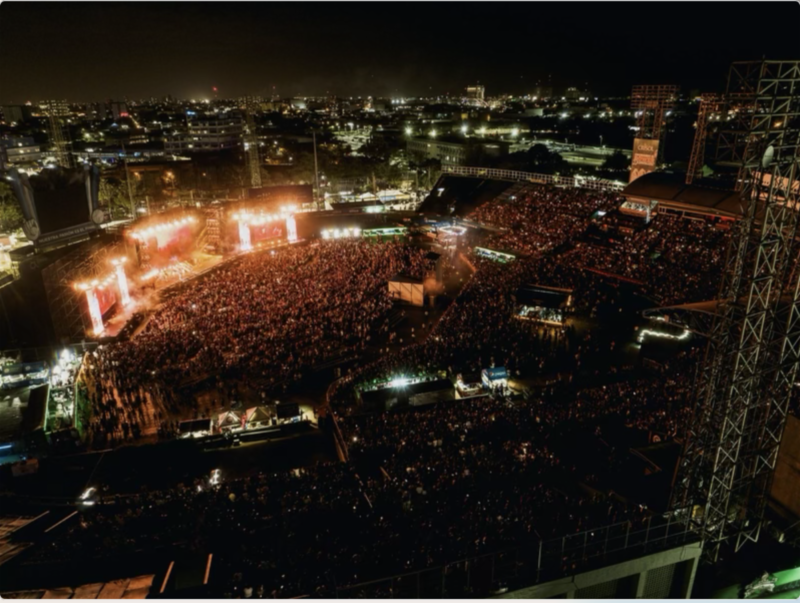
[{"x": 84, "y": 51}]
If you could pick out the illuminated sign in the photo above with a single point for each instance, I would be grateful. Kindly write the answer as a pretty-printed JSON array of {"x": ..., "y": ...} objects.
[{"x": 645, "y": 156}]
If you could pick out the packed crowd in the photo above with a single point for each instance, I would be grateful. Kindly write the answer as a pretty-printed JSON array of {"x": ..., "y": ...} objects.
[
  {"x": 266, "y": 316},
  {"x": 422, "y": 488},
  {"x": 672, "y": 259},
  {"x": 677, "y": 260},
  {"x": 454, "y": 481},
  {"x": 541, "y": 219}
]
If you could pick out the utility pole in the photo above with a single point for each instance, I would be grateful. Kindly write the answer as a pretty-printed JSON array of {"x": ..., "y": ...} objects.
[
  {"x": 316, "y": 167},
  {"x": 128, "y": 180},
  {"x": 251, "y": 143}
]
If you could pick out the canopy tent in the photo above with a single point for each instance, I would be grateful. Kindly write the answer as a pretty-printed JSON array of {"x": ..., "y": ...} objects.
[
  {"x": 256, "y": 417},
  {"x": 229, "y": 420}
]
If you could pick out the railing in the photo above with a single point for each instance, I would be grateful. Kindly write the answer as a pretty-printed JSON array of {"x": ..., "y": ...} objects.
[
  {"x": 529, "y": 565},
  {"x": 569, "y": 181}
]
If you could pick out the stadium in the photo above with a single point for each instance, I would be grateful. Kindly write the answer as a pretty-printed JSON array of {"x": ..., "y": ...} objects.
[
  {"x": 531, "y": 386},
  {"x": 523, "y": 433}
]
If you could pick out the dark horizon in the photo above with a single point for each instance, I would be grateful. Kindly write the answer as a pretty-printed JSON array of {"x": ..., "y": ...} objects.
[{"x": 87, "y": 52}]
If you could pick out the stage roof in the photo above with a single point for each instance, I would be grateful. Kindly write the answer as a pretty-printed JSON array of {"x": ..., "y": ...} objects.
[
  {"x": 672, "y": 191},
  {"x": 22, "y": 411},
  {"x": 464, "y": 193}
]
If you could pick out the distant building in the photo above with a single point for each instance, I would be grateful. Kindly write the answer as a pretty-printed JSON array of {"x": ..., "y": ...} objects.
[
  {"x": 455, "y": 150},
  {"x": 380, "y": 105},
  {"x": 100, "y": 110},
  {"x": 475, "y": 93},
  {"x": 59, "y": 108},
  {"x": 543, "y": 91},
  {"x": 20, "y": 150},
  {"x": 208, "y": 133},
  {"x": 119, "y": 109},
  {"x": 573, "y": 94},
  {"x": 15, "y": 113}
]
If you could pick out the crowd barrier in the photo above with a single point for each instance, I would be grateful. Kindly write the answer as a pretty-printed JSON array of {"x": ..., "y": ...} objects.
[{"x": 521, "y": 567}]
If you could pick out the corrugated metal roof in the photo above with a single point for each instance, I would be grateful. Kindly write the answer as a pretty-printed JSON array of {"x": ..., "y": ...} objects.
[{"x": 672, "y": 191}]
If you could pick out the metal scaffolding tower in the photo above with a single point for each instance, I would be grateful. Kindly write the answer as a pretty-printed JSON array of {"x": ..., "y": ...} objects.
[
  {"x": 251, "y": 142},
  {"x": 55, "y": 111},
  {"x": 708, "y": 106},
  {"x": 651, "y": 104},
  {"x": 753, "y": 348}
]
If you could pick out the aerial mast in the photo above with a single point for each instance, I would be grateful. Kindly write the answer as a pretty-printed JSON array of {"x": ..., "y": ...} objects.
[{"x": 251, "y": 142}]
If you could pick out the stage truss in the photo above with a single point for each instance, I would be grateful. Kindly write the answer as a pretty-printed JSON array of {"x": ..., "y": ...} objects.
[
  {"x": 68, "y": 308},
  {"x": 651, "y": 104},
  {"x": 707, "y": 109},
  {"x": 753, "y": 349}
]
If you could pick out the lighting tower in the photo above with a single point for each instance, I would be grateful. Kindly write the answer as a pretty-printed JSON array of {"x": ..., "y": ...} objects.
[
  {"x": 651, "y": 104},
  {"x": 251, "y": 142},
  {"x": 709, "y": 104},
  {"x": 743, "y": 389},
  {"x": 55, "y": 110}
]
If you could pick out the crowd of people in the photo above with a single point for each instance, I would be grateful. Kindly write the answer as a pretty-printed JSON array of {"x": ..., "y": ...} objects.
[
  {"x": 540, "y": 219},
  {"x": 672, "y": 259},
  {"x": 424, "y": 487},
  {"x": 266, "y": 316}
]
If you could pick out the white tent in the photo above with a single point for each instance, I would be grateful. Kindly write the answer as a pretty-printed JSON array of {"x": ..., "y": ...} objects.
[{"x": 407, "y": 289}]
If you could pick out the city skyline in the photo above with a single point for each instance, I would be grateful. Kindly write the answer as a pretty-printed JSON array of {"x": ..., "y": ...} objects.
[{"x": 84, "y": 52}]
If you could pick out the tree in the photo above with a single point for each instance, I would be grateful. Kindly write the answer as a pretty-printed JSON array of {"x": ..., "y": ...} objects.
[
  {"x": 538, "y": 159},
  {"x": 431, "y": 167},
  {"x": 114, "y": 196},
  {"x": 10, "y": 215},
  {"x": 617, "y": 162}
]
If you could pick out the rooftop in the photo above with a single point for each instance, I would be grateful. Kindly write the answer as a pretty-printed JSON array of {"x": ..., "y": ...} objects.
[{"x": 671, "y": 190}]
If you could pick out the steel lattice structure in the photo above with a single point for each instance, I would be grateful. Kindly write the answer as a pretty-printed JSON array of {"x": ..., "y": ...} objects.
[
  {"x": 60, "y": 143},
  {"x": 90, "y": 260},
  {"x": 251, "y": 143},
  {"x": 652, "y": 102},
  {"x": 751, "y": 361},
  {"x": 709, "y": 103}
]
